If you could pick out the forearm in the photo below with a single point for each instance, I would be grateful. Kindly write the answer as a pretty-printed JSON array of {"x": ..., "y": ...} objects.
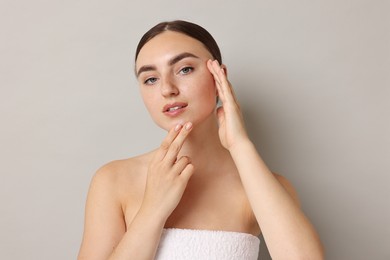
[
  {"x": 287, "y": 231},
  {"x": 141, "y": 238}
]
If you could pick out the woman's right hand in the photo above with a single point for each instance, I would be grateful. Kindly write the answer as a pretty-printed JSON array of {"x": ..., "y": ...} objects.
[{"x": 168, "y": 175}]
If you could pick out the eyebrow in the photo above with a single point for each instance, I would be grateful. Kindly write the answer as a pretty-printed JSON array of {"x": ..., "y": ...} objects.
[{"x": 171, "y": 62}]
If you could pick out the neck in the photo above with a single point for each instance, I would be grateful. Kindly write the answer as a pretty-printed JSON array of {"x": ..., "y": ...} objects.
[{"x": 203, "y": 146}]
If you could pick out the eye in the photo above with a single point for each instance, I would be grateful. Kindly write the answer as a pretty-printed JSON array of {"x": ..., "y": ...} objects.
[
  {"x": 150, "y": 81},
  {"x": 186, "y": 70}
]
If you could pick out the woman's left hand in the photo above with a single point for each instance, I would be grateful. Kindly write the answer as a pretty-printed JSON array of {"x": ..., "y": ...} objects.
[{"x": 230, "y": 119}]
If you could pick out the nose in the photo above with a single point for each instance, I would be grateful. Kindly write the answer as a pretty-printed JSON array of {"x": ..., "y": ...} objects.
[{"x": 169, "y": 88}]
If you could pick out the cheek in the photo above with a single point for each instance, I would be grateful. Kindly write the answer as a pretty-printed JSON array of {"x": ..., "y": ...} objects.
[
  {"x": 149, "y": 100},
  {"x": 205, "y": 97},
  {"x": 208, "y": 89}
]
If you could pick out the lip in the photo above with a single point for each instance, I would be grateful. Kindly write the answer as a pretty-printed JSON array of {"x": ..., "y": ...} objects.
[{"x": 182, "y": 106}]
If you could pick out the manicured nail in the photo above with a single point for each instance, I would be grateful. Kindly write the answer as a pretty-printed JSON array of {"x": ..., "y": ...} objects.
[
  {"x": 188, "y": 125},
  {"x": 177, "y": 128}
]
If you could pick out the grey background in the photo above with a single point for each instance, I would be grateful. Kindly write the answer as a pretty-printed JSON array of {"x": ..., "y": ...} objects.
[{"x": 312, "y": 78}]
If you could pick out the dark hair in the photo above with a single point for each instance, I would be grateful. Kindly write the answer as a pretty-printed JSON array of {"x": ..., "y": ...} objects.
[{"x": 190, "y": 29}]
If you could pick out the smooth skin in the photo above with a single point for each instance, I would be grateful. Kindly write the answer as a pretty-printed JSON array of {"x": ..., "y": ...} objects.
[
  {"x": 206, "y": 174},
  {"x": 288, "y": 233}
]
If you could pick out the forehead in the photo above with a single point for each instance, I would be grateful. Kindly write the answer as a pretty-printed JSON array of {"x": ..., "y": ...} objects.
[{"x": 168, "y": 44}]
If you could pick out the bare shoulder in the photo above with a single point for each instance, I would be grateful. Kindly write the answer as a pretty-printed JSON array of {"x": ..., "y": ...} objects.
[
  {"x": 105, "y": 223},
  {"x": 288, "y": 187},
  {"x": 121, "y": 180},
  {"x": 124, "y": 180},
  {"x": 117, "y": 171}
]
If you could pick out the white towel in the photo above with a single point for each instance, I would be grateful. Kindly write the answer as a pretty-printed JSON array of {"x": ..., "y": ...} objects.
[{"x": 192, "y": 244}]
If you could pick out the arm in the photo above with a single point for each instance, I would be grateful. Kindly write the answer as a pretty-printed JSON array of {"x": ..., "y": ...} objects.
[
  {"x": 104, "y": 223},
  {"x": 105, "y": 234},
  {"x": 288, "y": 233}
]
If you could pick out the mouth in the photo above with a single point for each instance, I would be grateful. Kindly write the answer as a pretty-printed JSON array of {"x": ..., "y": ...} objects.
[{"x": 174, "y": 109}]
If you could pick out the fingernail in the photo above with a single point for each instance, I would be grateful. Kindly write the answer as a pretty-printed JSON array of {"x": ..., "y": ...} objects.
[
  {"x": 177, "y": 128},
  {"x": 188, "y": 125}
]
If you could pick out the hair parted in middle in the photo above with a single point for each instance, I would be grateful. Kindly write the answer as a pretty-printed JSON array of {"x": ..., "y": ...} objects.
[{"x": 190, "y": 29}]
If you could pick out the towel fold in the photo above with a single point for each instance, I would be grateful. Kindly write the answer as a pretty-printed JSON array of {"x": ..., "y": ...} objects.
[{"x": 192, "y": 244}]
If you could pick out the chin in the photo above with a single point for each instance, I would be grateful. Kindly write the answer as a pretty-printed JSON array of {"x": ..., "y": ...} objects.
[{"x": 168, "y": 125}]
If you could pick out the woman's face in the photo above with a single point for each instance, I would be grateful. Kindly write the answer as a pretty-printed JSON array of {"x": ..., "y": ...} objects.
[{"x": 175, "y": 83}]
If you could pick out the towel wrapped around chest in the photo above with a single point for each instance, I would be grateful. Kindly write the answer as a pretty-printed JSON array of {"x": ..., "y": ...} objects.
[{"x": 192, "y": 244}]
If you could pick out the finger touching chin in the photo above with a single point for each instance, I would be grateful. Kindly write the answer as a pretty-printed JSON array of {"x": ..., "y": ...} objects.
[{"x": 168, "y": 125}]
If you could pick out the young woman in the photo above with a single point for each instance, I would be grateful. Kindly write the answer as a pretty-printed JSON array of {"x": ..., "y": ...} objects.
[{"x": 205, "y": 193}]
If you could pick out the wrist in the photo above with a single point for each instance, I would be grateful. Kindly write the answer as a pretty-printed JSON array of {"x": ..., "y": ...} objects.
[
  {"x": 241, "y": 146},
  {"x": 152, "y": 217}
]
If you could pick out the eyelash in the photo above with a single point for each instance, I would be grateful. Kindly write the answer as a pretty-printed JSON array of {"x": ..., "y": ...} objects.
[
  {"x": 182, "y": 72},
  {"x": 147, "y": 81},
  {"x": 186, "y": 68}
]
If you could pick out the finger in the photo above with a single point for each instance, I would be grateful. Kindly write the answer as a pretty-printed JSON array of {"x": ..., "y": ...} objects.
[
  {"x": 229, "y": 97},
  {"x": 181, "y": 164},
  {"x": 187, "y": 173},
  {"x": 177, "y": 143},
  {"x": 225, "y": 91},
  {"x": 166, "y": 143},
  {"x": 226, "y": 85},
  {"x": 218, "y": 82},
  {"x": 213, "y": 70}
]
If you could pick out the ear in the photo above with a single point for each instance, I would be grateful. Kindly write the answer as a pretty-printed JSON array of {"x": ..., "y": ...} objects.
[{"x": 224, "y": 69}]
